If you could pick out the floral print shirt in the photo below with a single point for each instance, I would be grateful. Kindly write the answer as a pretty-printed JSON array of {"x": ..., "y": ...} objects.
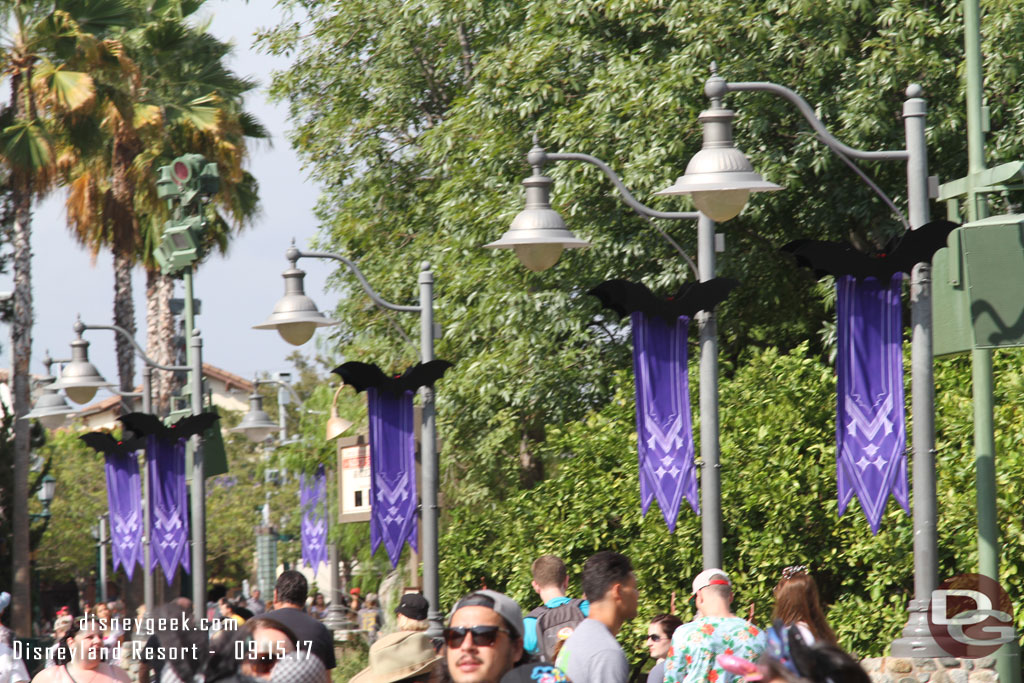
[{"x": 696, "y": 644}]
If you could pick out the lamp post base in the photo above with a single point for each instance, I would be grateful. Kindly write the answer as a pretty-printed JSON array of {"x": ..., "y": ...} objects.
[
  {"x": 916, "y": 639},
  {"x": 337, "y": 619}
]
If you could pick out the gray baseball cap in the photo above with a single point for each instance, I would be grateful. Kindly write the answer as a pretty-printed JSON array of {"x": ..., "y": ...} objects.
[{"x": 505, "y": 606}]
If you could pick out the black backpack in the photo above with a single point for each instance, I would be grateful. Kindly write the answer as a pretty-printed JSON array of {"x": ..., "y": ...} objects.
[{"x": 555, "y": 624}]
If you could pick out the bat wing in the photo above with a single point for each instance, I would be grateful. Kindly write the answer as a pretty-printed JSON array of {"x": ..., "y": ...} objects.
[
  {"x": 193, "y": 424},
  {"x": 834, "y": 258},
  {"x": 101, "y": 442},
  {"x": 625, "y": 297},
  {"x": 701, "y": 296},
  {"x": 360, "y": 376},
  {"x": 143, "y": 424},
  {"x": 104, "y": 442},
  {"x": 421, "y": 374},
  {"x": 915, "y": 246}
]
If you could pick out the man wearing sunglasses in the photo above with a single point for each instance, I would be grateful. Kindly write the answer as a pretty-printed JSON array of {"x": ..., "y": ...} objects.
[
  {"x": 484, "y": 637},
  {"x": 591, "y": 654}
]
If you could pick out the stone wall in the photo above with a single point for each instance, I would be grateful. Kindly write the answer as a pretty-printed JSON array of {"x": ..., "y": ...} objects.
[{"x": 943, "y": 670}]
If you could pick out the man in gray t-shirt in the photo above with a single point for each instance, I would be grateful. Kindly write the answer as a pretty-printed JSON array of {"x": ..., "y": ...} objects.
[{"x": 591, "y": 654}]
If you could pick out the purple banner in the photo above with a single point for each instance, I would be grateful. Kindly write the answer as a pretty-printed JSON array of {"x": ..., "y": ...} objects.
[
  {"x": 124, "y": 496},
  {"x": 663, "y": 423},
  {"x": 392, "y": 472},
  {"x": 871, "y": 431},
  {"x": 168, "y": 505},
  {"x": 313, "y": 500}
]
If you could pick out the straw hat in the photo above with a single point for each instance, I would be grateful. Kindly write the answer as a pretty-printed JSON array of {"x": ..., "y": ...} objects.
[{"x": 398, "y": 656}]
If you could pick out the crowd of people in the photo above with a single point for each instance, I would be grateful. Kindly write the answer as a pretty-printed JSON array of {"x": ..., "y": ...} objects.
[{"x": 487, "y": 638}]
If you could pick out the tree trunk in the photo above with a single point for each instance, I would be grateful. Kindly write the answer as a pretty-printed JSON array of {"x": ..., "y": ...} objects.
[
  {"x": 124, "y": 316},
  {"x": 21, "y": 353},
  {"x": 124, "y": 228},
  {"x": 160, "y": 336}
]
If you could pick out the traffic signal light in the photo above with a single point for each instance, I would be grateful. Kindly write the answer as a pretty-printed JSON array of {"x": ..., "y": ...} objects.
[
  {"x": 179, "y": 246},
  {"x": 184, "y": 182},
  {"x": 187, "y": 178}
]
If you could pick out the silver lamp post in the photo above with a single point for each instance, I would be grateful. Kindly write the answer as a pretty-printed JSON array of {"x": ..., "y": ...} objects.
[
  {"x": 538, "y": 212},
  {"x": 51, "y": 408},
  {"x": 256, "y": 424},
  {"x": 88, "y": 376},
  {"x": 296, "y": 317},
  {"x": 714, "y": 177}
]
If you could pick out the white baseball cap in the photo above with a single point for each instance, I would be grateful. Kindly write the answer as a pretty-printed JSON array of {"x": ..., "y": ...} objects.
[{"x": 711, "y": 577}]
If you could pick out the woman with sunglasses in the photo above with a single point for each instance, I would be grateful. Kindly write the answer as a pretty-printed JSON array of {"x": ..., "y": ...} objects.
[
  {"x": 79, "y": 658},
  {"x": 659, "y": 641},
  {"x": 797, "y": 604}
]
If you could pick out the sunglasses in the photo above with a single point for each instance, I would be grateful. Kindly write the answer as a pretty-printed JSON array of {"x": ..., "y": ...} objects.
[
  {"x": 654, "y": 637},
  {"x": 483, "y": 636}
]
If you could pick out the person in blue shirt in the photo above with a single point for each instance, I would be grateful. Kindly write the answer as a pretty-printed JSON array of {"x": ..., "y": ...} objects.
[{"x": 558, "y": 615}]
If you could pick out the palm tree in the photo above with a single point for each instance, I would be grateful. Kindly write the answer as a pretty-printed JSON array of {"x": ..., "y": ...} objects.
[
  {"x": 44, "y": 45},
  {"x": 167, "y": 93}
]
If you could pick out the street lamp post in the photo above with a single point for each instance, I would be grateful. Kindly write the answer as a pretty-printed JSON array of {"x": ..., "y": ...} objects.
[
  {"x": 256, "y": 424},
  {"x": 296, "y": 317},
  {"x": 538, "y": 235},
  {"x": 82, "y": 378},
  {"x": 916, "y": 640},
  {"x": 51, "y": 408}
]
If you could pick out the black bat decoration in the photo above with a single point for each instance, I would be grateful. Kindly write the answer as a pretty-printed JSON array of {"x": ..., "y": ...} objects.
[
  {"x": 104, "y": 442},
  {"x": 144, "y": 424},
  {"x": 899, "y": 255},
  {"x": 362, "y": 376},
  {"x": 625, "y": 297}
]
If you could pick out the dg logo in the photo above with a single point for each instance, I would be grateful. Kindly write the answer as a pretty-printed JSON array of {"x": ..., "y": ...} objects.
[{"x": 970, "y": 616}]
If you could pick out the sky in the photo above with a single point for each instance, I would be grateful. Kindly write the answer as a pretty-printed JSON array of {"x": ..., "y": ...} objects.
[{"x": 237, "y": 290}]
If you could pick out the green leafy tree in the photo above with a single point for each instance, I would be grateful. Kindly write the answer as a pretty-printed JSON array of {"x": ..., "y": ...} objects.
[
  {"x": 415, "y": 118},
  {"x": 419, "y": 143},
  {"x": 779, "y": 504}
]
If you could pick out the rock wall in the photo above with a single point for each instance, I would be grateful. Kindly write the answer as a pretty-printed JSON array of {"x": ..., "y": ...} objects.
[{"x": 925, "y": 670}]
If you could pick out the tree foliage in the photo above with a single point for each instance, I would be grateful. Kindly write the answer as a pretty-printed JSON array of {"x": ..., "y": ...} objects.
[
  {"x": 779, "y": 504},
  {"x": 416, "y": 116}
]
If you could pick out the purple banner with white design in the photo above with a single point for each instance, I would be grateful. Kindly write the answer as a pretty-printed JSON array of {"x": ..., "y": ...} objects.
[
  {"x": 168, "y": 505},
  {"x": 124, "y": 496},
  {"x": 871, "y": 432},
  {"x": 392, "y": 472},
  {"x": 313, "y": 500},
  {"x": 663, "y": 422}
]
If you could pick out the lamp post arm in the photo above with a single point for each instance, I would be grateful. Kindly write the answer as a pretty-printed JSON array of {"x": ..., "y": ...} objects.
[
  {"x": 370, "y": 291},
  {"x": 627, "y": 196},
  {"x": 816, "y": 123},
  {"x": 138, "y": 349},
  {"x": 279, "y": 383},
  {"x": 843, "y": 151}
]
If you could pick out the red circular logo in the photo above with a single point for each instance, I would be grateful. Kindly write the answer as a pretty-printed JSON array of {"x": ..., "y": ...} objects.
[{"x": 970, "y": 616}]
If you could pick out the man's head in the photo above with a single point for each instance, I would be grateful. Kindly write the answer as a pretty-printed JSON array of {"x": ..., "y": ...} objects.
[
  {"x": 608, "y": 578},
  {"x": 712, "y": 593},
  {"x": 291, "y": 588},
  {"x": 484, "y": 637},
  {"x": 255, "y": 593},
  {"x": 549, "y": 572}
]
